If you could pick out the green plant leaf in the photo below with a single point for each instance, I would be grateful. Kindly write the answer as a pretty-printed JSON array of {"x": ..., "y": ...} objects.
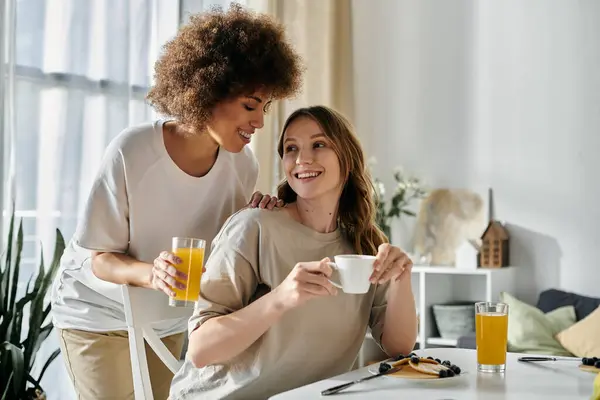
[
  {"x": 46, "y": 313},
  {"x": 37, "y": 314},
  {"x": 6, "y": 314},
  {"x": 7, "y": 320},
  {"x": 41, "y": 272},
  {"x": 34, "y": 343},
  {"x": 394, "y": 212},
  {"x": 6, "y": 370},
  {"x": 31, "y": 379},
  {"x": 4, "y": 285},
  {"x": 14, "y": 329},
  {"x": 18, "y": 366},
  {"x": 16, "y": 358},
  {"x": 54, "y": 354},
  {"x": 20, "y": 311},
  {"x": 2, "y": 291},
  {"x": 17, "y": 267},
  {"x": 8, "y": 386},
  {"x": 29, "y": 283},
  {"x": 24, "y": 300}
]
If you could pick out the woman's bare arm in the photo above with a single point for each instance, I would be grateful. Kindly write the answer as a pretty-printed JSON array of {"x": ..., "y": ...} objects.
[
  {"x": 400, "y": 326},
  {"x": 121, "y": 269},
  {"x": 221, "y": 338}
]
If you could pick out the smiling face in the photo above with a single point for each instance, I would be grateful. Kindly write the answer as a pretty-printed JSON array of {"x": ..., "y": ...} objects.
[
  {"x": 337, "y": 162},
  {"x": 234, "y": 121},
  {"x": 311, "y": 165}
]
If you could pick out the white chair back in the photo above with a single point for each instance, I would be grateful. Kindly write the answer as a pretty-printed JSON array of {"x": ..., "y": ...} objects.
[{"x": 143, "y": 308}]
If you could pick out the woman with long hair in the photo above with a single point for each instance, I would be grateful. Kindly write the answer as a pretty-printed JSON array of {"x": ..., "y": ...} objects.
[{"x": 270, "y": 319}]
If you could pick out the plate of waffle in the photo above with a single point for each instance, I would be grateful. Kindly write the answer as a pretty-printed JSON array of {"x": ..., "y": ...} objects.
[{"x": 418, "y": 368}]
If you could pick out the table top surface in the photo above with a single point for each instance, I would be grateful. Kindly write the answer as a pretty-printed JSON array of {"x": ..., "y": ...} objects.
[{"x": 561, "y": 379}]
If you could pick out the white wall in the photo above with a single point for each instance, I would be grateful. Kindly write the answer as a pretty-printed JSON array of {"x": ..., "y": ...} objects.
[{"x": 493, "y": 94}]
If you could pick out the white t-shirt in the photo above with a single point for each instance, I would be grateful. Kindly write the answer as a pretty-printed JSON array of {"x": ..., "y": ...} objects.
[{"x": 138, "y": 202}]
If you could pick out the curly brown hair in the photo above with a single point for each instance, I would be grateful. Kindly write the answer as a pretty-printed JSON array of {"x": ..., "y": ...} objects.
[
  {"x": 220, "y": 55},
  {"x": 356, "y": 210}
]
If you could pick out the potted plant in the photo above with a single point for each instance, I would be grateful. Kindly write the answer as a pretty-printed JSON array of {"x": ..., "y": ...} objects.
[
  {"x": 19, "y": 346},
  {"x": 408, "y": 188}
]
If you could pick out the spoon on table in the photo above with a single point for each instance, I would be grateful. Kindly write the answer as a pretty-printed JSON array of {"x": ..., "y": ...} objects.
[{"x": 339, "y": 388}]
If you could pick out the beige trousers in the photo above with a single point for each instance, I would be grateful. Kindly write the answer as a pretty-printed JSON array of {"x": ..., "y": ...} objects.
[{"x": 99, "y": 364}]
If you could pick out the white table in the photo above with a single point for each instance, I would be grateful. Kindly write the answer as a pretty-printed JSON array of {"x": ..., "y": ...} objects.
[{"x": 521, "y": 381}]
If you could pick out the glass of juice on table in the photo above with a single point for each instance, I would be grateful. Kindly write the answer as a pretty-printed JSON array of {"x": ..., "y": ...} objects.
[
  {"x": 491, "y": 326},
  {"x": 191, "y": 253}
]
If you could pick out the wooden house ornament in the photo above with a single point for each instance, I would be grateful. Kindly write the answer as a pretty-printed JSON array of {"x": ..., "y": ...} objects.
[{"x": 494, "y": 246}]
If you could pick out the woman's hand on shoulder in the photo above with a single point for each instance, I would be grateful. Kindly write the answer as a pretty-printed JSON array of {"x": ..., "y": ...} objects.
[
  {"x": 391, "y": 264},
  {"x": 264, "y": 201},
  {"x": 306, "y": 281}
]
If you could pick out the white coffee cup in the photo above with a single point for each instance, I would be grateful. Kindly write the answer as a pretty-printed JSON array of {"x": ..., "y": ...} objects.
[{"x": 355, "y": 271}]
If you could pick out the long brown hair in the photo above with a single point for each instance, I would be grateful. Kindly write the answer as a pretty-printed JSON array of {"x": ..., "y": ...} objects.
[{"x": 356, "y": 210}]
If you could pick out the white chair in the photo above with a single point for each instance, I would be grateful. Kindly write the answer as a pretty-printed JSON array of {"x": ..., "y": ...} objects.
[{"x": 143, "y": 308}]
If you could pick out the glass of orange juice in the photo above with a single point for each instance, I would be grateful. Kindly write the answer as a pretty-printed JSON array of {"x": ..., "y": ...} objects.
[
  {"x": 491, "y": 326},
  {"x": 191, "y": 253}
]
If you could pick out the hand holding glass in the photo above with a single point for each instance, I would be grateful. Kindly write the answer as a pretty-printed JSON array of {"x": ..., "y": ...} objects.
[
  {"x": 191, "y": 253},
  {"x": 491, "y": 325}
]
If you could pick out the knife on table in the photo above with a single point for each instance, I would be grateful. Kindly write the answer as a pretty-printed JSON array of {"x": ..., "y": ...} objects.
[
  {"x": 529, "y": 359},
  {"x": 339, "y": 388}
]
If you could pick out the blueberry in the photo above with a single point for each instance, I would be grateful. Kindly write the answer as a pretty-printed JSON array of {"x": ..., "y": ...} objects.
[
  {"x": 597, "y": 364},
  {"x": 430, "y": 358},
  {"x": 411, "y": 355},
  {"x": 455, "y": 369},
  {"x": 443, "y": 373},
  {"x": 438, "y": 360},
  {"x": 585, "y": 361},
  {"x": 595, "y": 359},
  {"x": 450, "y": 373},
  {"x": 446, "y": 363},
  {"x": 415, "y": 360},
  {"x": 399, "y": 357},
  {"x": 384, "y": 367}
]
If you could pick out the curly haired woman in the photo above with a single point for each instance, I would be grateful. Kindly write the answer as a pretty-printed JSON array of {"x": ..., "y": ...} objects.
[
  {"x": 181, "y": 176},
  {"x": 272, "y": 320}
]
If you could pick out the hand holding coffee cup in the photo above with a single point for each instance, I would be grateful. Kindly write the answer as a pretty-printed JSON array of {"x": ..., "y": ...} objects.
[
  {"x": 354, "y": 271},
  {"x": 306, "y": 281},
  {"x": 391, "y": 264}
]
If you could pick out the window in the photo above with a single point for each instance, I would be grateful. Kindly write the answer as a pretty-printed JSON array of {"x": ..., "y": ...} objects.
[{"x": 81, "y": 70}]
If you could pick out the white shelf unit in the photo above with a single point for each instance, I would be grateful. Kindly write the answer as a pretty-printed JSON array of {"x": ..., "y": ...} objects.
[{"x": 439, "y": 285}]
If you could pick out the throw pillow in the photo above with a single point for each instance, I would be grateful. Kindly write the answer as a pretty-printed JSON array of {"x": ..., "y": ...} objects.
[
  {"x": 596, "y": 393},
  {"x": 552, "y": 299},
  {"x": 531, "y": 331},
  {"x": 582, "y": 339}
]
